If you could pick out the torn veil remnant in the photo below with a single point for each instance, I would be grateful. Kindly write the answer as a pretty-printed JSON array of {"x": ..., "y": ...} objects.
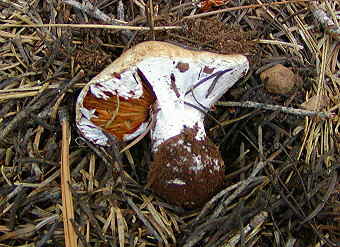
[{"x": 181, "y": 85}]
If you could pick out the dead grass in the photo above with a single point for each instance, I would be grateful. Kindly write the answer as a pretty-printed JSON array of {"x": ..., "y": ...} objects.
[{"x": 281, "y": 185}]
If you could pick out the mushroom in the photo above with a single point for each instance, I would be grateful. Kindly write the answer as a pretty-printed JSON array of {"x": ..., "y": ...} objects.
[{"x": 168, "y": 89}]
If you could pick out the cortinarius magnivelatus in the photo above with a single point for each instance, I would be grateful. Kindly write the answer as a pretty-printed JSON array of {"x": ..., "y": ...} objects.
[{"x": 175, "y": 87}]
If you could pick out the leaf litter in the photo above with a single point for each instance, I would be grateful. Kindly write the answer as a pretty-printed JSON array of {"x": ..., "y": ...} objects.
[{"x": 282, "y": 169}]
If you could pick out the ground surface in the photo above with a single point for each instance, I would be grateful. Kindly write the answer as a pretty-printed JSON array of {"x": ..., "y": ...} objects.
[{"x": 281, "y": 184}]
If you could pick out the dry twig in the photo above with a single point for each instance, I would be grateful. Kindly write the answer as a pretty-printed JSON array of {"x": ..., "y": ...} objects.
[
  {"x": 91, "y": 10},
  {"x": 68, "y": 210},
  {"x": 289, "y": 110},
  {"x": 90, "y": 26}
]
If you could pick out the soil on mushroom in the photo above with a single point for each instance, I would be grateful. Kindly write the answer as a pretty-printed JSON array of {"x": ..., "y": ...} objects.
[{"x": 175, "y": 174}]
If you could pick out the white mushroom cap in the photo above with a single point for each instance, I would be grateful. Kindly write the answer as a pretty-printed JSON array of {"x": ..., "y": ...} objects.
[{"x": 172, "y": 72}]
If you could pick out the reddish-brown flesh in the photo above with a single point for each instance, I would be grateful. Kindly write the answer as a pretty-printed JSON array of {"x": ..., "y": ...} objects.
[{"x": 130, "y": 115}]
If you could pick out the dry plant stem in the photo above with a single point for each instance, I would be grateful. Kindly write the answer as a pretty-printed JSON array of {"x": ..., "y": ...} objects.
[
  {"x": 317, "y": 216},
  {"x": 253, "y": 6},
  {"x": 330, "y": 190},
  {"x": 97, "y": 151},
  {"x": 115, "y": 27},
  {"x": 321, "y": 16},
  {"x": 144, "y": 220},
  {"x": 34, "y": 90},
  {"x": 68, "y": 211},
  {"x": 241, "y": 186},
  {"x": 150, "y": 16},
  {"x": 48, "y": 235},
  {"x": 254, "y": 224},
  {"x": 36, "y": 103},
  {"x": 120, "y": 11},
  {"x": 93, "y": 11},
  {"x": 276, "y": 42},
  {"x": 251, "y": 180},
  {"x": 182, "y": 6},
  {"x": 41, "y": 99},
  {"x": 141, "y": 5},
  {"x": 219, "y": 227},
  {"x": 299, "y": 112}
]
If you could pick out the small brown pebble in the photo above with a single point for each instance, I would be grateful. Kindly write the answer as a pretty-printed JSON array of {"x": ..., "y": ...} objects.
[
  {"x": 279, "y": 79},
  {"x": 316, "y": 103}
]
